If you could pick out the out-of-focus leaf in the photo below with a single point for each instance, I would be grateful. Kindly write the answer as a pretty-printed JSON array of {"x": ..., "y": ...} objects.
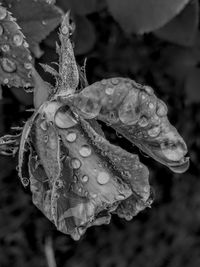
[
  {"x": 140, "y": 16},
  {"x": 15, "y": 58},
  {"x": 183, "y": 28},
  {"x": 36, "y": 18},
  {"x": 84, "y": 35},
  {"x": 81, "y": 7},
  {"x": 192, "y": 86}
]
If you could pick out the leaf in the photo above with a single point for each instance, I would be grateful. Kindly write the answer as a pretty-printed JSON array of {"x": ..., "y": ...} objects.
[
  {"x": 80, "y": 7},
  {"x": 182, "y": 30},
  {"x": 15, "y": 58},
  {"x": 142, "y": 16},
  {"x": 192, "y": 86},
  {"x": 37, "y": 20},
  {"x": 135, "y": 112},
  {"x": 84, "y": 35}
]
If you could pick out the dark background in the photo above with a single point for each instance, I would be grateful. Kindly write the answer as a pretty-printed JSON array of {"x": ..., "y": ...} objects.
[{"x": 168, "y": 234}]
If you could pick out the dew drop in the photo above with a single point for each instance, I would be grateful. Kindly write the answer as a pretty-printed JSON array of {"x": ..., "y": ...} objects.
[
  {"x": 151, "y": 105},
  {"x": 75, "y": 163},
  {"x": 18, "y": 39},
  {"x": 43, "y": 125},
  {"x": 8, "y": 65},
  {"x": 109, "y": 90},
  {"x": 65, "y": 30},
  {"x": 85, "y": 179},
  {"x": 44, "y": 22},
  {"x": 3, "y": 13},
  {"x": 5, "y": 48},
  {"x": 28, "y": 66},
  {"x": 153, "y": 132},
  {"x": 143, "y": 122},
  {"x": 64, "y": 120},
  {"x": 161, "y": 109},
  {"x": 71, "y": 137},
  {"x": 6, "y": 81},
  {"x": 1, "y": 30},
  {"x": 25, "y": 181},
  {"x": 85, "y": 151},
  {"x": 104, "y": 82},
  {"x": 115, "y": 81},
  {"x": 26, "y": 45},
  {"x": 90, "y": 107},
  {"x": 148, "y": 90},
  {"x": 46, "y": 138},
  {"x": 103, "y": 178}
]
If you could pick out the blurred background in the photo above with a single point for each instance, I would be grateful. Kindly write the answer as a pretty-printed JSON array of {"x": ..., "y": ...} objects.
[{"x": 163, "y": 52}]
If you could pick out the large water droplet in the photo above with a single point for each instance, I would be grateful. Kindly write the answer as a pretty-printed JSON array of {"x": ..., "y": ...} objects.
[
  {"x": 5, "y": 48},
  {"x": 1, "y": 30},
  {"x": 89, "y": 107},
  {"x": 143, "y": 122},
  {"x": 64, "y": 120},
  {"x": 18, "y": 39},
  {"x": 85, "y": 151},
  {"x": 103, "y": 178},
  {"x": 8, "y": 65},
  {"x": 3, "y": 13},
  {"x": 85, "y": 179},
  {"x": 75, "y": 163},
  {"x": 71, "y": 137},
  {"x": 153, "y": 132},
  {"x": 28, "y": 66}
]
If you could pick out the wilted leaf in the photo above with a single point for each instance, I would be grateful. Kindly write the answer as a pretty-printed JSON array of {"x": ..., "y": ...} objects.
[
  {"x": 81, "y": 7},
  {"x": 140, "y": 16},
  {"x": 84, "y": 35},
  {"x": 36, "y": 18},
  {"x": 15, "y": 58},
  {"x": 183, "y": 28},
  {"x": 192, "y": 86}
]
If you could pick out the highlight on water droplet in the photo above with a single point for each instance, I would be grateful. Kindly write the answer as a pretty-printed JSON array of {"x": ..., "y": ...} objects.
[
  {"x": 143, "y": 122},
  {"x": 75, "y": 163},
  {"x": 103, "y": 178},
  {"x": 8, "y": 65},
  {"x": 71, "y": 137},
  {"x": 18, "y": 39},
  {"x": 3, "y": 13},
  {"x": 46, "y": 138},
  {"x": 85, "y": 151}
]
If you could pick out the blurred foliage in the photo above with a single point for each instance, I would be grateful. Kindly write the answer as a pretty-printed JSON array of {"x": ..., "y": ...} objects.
[{"x": 167, "y": 59}]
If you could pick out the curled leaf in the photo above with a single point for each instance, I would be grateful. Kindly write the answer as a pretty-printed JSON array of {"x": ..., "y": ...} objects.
[{"x": 135, "y": 112}]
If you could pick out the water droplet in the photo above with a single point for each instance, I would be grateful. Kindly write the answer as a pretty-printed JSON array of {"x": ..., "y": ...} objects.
[
  {"x": 6, "y": 81},
  {"x": 148, "y": 89},
  {"x": 46, "y": 138},
  {"x": 143, "y": 122},
  {"x": 44, "y": 22},
  {"x": 151, "y": 105},
  {"x": 115, "y": 81},
  {"x": 109, "y": 90},
  {"x": 18, "y": 39},
  {"x": 1, "y": 30},
  {"x": 120, "y": 197},
  {"x": 103, "y": 178},
  {"x": 25, "y": 181},
  {"x": 161, "y": 109},
  {"x": 64, "y": 120},
  {"x": 85, "y": 179},
  {"x": 44, "y": 125},
  {"x": 26, "y": 45},
  {"x": 104, "y": 82},
  {"x": 65, "y": 30},
  {"x": 71, "y": 137},
  {"x": 85, "y": 151},
  {"x": 89, "y": 107},
  {"x": 75, "y": 163},
  {"x": 28, "y": 66},
  {"x": 3, "y": 13},
  {"x": 5, "y": 48},
  {"x": 153, "y": 132},
  {"x": 8, "y": 65}
]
